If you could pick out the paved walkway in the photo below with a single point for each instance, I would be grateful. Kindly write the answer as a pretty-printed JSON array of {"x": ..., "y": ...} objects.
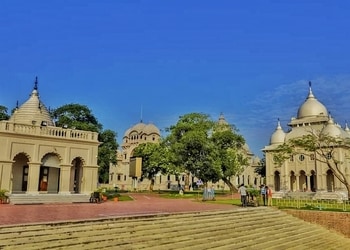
[{"x": 143, "y": 204}]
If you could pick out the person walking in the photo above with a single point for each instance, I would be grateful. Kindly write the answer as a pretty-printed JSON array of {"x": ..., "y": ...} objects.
[
  {"x": 263, "y": 193},
  {"x": 269, "y": 196},
  {"x": 243, "y": 192}
]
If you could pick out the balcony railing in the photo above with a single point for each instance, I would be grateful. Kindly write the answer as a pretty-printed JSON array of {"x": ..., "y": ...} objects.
[{"x": 47, "y": 131}]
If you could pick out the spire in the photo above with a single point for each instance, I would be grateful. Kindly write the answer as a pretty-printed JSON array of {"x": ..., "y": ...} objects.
[
  {"x": 278, "y": 124},
  {"x": 36, "y": 83},
  {"x": 311, "y": 95}
]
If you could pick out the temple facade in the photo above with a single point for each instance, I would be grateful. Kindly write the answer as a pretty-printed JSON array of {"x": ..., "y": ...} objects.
[
  {"x": 38, "y": 158},
  {"x": 303, "y": 172}
]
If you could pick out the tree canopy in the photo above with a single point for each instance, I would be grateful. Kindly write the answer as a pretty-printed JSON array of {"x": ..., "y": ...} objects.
[
  {"x": 76, "y": 116},
  {"x": 3, "y": 113},
  {"x": 81, "y": 117},
  {"x": 205, "y": 149}
]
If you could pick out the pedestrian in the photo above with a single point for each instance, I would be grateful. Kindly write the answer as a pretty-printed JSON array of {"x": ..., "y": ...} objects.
[
  {"x": 269, "y": 196},
  {"x": 263, "y": 193},
  {"x": 243, "y": 192}
]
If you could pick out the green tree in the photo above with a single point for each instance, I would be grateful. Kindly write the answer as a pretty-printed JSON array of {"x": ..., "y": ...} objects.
[
  {"x": 323, "y": 146},
  {"x": 261, "y": 169},
  {"x": 155, "y": 160},
  {"x": 3, "y": 113},
  {"x": 76, "y": 116},
  {"x": 189, "y": 143},
  {"x": 231, "y": 154},
  {"x": 80, "y": 117},
  {"x": 106, "y": 154}
]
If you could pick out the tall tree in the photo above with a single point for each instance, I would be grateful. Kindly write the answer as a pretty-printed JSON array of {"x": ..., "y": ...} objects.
[
  {"x": 155, "y": 160},
  {"x": 3, "y": 113},
  {"x": 81, "y": 117},
  {"x": 326, "y": 149},
  {"x": 190, "y": 145},
  {"x": 231, "y": 153},
  {"x": 106, "y": 154}
]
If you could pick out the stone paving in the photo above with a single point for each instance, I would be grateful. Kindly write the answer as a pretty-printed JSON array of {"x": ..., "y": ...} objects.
[{"x": 143, "y": 204}]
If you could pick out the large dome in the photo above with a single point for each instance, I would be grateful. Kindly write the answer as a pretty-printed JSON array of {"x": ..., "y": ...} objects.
[{"x": 312, "y": 107}]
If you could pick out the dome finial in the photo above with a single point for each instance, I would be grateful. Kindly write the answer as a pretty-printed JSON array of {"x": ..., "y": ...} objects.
[{"x": 36, "y": 83}]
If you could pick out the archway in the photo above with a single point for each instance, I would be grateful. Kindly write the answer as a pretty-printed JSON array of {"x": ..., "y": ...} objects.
[
  {"x": 49, "y": 176},
  {"x": 277, "y": 181},
  {"x": 302, "y": 181},
  {"x": 76, "y": 175},
  {"x": 293, "y": 180},
  {"x": 20, "y": 171},
  {"x": 330, "y": 181}
]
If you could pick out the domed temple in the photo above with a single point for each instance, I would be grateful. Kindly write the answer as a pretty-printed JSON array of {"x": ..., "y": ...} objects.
[
  {"x": 302, "y": 172},
  {"x": 39, "y": 160},
  {"x": 143, "y": 133}
]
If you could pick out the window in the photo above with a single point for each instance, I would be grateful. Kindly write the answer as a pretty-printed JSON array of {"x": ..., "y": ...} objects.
[
  {"x": 301, "y": 157},
  {"x": 291, "y": 158},
  {"x": 312, "y": 157},
  {"x": 329, "y": 155},
  {"x": 119, "y": 177}
]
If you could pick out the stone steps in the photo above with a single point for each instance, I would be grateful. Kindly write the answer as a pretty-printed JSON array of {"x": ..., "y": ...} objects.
[
  {"x": 250, "y": 228},
  {"x": 16, "y": 199}
]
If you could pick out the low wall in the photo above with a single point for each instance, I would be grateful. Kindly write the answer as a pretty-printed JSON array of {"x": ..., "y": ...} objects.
[{"x": 337, "y": 221}]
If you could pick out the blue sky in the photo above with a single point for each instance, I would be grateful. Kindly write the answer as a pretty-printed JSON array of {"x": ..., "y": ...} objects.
[{"x": 251, "y": 60}]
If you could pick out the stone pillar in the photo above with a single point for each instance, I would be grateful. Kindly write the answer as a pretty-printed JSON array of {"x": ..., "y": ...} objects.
[
  {"x": 308, "y": 182},
  {"x": 65, "y": 179},
  {"x": 297, "y": 182},
  {"x": 6, "y": 176},
  {"x": 33, "y": 178}
]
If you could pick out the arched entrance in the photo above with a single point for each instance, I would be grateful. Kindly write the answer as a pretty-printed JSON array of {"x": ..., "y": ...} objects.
[
  {"x": 302, "y": 181},
  {"x": 330, "y": 181},
  {"x": 20, "y": 171},
  {"x": 76, "y": 175},
  {"x": 277, "y": 181},
  {"x": 49, "y": 176},
  {"x": 293, "y": 181}
]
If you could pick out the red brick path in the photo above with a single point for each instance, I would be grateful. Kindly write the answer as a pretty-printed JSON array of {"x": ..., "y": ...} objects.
[{"x": 142, "y": 204}]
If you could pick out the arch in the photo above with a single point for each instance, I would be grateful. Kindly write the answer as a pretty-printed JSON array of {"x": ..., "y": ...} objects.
[
  {"x": 50, "y": 173},
  {"x": 277, "y": 181},
  {"x": 330, "y": 181},
  {"x": 303, "y": 185},
  {"x": 76, "y": 174},
  {"x": 293, "y": 181},
  {"x": 20, "y": 172},
  {"x": 51, "y": 159},
  {"x": 23, "y": 153}
]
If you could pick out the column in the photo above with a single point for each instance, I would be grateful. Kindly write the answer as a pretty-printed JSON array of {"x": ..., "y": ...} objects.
[
  {"x": 297, "y": 182},
  {"x": 65, "y": 179},
  {"x": 6, "y": 176},
  {"x": 308, "y": 183},
  {"x": 33, "y": 178}
]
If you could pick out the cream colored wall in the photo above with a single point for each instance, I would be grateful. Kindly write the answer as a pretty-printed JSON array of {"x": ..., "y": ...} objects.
[{"x": 35, "y": 144}]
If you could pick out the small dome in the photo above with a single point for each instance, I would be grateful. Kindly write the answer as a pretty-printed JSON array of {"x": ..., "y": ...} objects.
[
  {"x": 142, "y": 128},
  {"x": 331, "y": 129},
  {"x": 278, "y": 136},
  {"x": 312, "y": 107},
  {"x": 33, "y": 111}
]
